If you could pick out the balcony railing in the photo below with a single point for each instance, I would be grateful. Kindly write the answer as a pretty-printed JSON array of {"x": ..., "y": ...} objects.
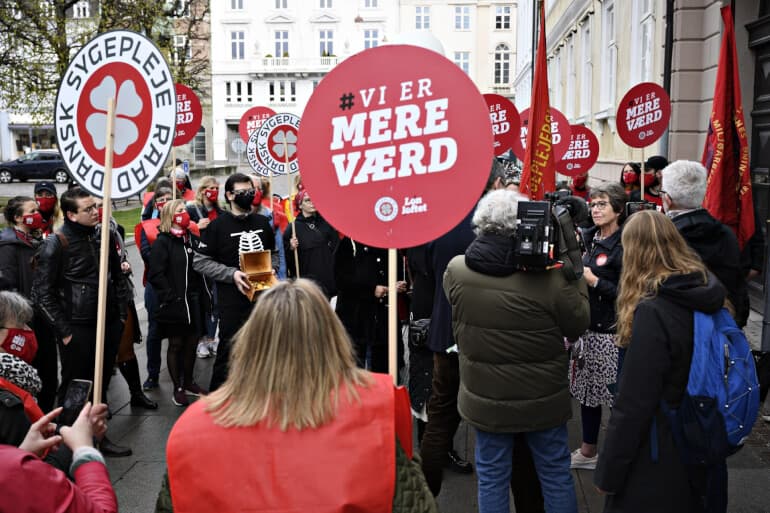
[{"x": 310, "y": 63}]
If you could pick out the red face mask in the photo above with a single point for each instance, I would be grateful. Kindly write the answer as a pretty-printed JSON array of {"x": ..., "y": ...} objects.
[
  {"x": 101, "y": 214},
  {"x": 182, "y": 219},
  {"x": 46, "y": 205},
  {"x": 257, "y": 198},
  {"x": 579, "y": 182},
  {"x": 180, "y": 185},
  {"x": 211, "y": 194},
  {"x": 159, "y": 205},
  {"x": 21, "y": 343},
  {"x": 629, "y": 177},
  {"x": 33, "y": 221},
  {"x": 649, "y": 179}
]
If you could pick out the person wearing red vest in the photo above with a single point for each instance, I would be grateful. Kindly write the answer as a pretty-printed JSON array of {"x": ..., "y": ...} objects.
[{"x": 294, "y": 385}]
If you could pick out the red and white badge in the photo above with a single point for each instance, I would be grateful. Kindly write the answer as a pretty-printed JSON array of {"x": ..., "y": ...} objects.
[
  {"x": 276, "y": 143},
  {"x": 189, "y": 114},
  {"x": 643, "y": 115},
  {"x": 505, "y": 122},
  {"x": 582, "y": 154},
  {"x": 395, "y": 146},
  {"x": 128, "y": 67},
  {"x": 601, "y": 259},
  {"x": 560, "y": 134},
  {"x": 252, "y": 119}
]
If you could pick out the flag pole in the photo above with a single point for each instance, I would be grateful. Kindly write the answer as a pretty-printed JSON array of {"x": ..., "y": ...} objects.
[{"x": 104, "y": 249}]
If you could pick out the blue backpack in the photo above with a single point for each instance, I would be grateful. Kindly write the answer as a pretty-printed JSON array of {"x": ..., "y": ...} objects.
[{"x": 721, "y": 402}]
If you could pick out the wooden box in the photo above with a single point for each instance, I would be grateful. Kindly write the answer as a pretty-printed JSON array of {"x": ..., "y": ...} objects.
[{"x": 259, "y": 268}]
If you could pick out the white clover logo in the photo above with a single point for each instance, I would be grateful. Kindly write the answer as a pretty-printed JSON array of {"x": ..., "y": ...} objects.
[
  {"x": 128, "y": 105},
  {"x": 287, "y": 136}
]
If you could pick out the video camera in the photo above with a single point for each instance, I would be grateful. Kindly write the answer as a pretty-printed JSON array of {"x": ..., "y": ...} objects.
[{"x": 546, "y": 234}]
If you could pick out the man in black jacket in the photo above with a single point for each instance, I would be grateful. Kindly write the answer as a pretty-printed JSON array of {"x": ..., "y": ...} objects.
[
  {"x": 683, "y": 190},
  {"x": 65, "y": 290},
  {"x": 217, "y": 257}
]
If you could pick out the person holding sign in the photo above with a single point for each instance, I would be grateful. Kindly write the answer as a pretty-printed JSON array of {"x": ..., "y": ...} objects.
[
  {"x": 630, "y": 177},
  {"x": 652, "y": 175}
]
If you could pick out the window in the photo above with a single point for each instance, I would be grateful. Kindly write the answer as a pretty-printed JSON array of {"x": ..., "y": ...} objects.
[
  {"x": 463, "y": 59},
  {"x": 609, "y": 56},
  {"x": 281, "y": 43},
  {"x": 462, "y": 17},
  {"x": 422, "y": 17},
  {"x": 181, "y": 50},
  {"x": 82, "y": 9},
  {"x": 238, "y": 45},
  {"x": 283, "y": 91},
  {"x": 236, "y": 5},
  {"x": 281, "y": 4},
  {"x": 586, "y": 69},
  {"x": 502, "y": 65},
  {"x": 327, "y": 43},
  {"x": 503, "y": 17},
  {"x": 554, "y": 78},
  {"x": 642, "y": 40},
  {"x": 370, "y": 3},
  {"x": 326, "y": 4},
  {"x": 571, "y": 79},
  {"x": 199, "y": 145},
  {"x": 371, "y": 37},
  {"x": 239, "y": 92}
]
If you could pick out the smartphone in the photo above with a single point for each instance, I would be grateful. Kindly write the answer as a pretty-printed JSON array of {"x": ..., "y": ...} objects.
[{"x": 74, "y": 400}]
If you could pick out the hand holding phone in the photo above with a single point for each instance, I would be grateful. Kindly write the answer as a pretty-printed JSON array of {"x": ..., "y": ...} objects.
[{"x": 74, "y": 400}]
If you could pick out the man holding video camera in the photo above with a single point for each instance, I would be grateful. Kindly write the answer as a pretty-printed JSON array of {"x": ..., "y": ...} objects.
[{"x": 509, "y": 321}]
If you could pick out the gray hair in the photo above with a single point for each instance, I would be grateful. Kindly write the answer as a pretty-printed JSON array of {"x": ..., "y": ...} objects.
[
  {"x": 684, "y": 181},
  {"x": 496, "y": 213},
  {"x": 14, "y": 309},
  {"x": 615, "y": 193}
]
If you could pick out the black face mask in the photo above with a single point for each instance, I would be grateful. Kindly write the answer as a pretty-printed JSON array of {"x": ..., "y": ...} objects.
[{"x": 244, "y": 200}]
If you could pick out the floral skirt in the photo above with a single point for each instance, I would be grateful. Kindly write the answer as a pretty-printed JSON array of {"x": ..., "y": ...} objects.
[{"x": 593, "y": 369}]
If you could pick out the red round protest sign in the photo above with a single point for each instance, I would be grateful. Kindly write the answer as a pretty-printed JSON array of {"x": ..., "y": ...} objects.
[
  {"x": 505, "y": 122},
  {"x": 189, "y": 114},
  {"x": 395, "y": 146},
  {"x": 582, "y": 154},
  {"x": 252, "y": 119},
  {"x": 560, "y": 134},
  {"x": 643, "y": 115}
]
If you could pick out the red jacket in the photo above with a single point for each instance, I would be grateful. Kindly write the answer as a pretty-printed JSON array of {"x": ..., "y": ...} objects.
[
  {"x": 30, "y": 485},
  {"x": 260, "y": 468}
]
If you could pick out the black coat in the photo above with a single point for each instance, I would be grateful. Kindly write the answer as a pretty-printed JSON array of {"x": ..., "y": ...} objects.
[
  {"x": 656, "y": 366},
  {"x": 15, "y": 263},
  {"x": 317, "y": 243},
  {"x": 605, "y": 258},
  {"x": 717, "y": 246}
]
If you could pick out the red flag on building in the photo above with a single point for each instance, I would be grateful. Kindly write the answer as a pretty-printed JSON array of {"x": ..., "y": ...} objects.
[
  {"x": 539, "y": 175},
  {"x": 726, "y": 154}
]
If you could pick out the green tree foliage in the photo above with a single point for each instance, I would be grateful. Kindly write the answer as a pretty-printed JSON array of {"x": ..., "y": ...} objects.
[{"x": 39, "y": 37}]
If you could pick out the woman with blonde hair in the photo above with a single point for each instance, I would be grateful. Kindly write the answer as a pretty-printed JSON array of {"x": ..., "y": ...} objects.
[
  {"x": 294, "y": 401},
  {"x": 663, "y": 281},
  {"x": 179, "y": 289}
]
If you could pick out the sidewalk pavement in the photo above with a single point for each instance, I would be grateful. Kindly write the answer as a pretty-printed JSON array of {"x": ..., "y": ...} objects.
[{"x": 137, "y": 478}]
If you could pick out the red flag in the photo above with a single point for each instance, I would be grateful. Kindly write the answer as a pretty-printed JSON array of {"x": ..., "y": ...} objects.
[
  {"x": 539, "y": 175},
  {"x": 726, "y": 154}
]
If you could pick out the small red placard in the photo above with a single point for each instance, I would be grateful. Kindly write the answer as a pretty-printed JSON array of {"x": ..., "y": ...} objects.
[
  {"x": 189, "y": 114},
  {"x": 582, "y": 154},
  {"x": 505, "y": 122},
  {"x": 643, "y": 115},
  {"x": 252, "y": 119}
]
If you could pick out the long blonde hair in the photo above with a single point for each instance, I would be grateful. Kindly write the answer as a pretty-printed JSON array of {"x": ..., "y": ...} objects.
[
  {"x": 167, "y": 215},
  {"x": 653, "y": 250},
  {"x": 288, "y": 363}
]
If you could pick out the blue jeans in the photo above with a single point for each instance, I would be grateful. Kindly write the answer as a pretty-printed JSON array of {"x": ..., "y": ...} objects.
[
  {"x": 154, "y": 342},
  {"x": 212, "y": 318},
  {"x": 494, "y": 452}
]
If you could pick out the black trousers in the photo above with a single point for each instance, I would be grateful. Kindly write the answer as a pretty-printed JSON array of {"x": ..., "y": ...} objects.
[
  {"x": 77, "y": 357},
  {"x": 230, "y": 321},
  {"x": 46, "y": 362}
]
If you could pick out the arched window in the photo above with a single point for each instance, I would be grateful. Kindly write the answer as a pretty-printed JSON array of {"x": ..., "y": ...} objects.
[{"x": 502, "y": 64}]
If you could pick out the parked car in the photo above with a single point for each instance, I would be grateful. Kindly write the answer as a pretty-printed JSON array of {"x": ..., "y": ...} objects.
[{"x": 35, "y": 165}]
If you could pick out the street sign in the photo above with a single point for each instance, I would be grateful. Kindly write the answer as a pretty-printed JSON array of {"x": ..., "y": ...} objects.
[
  {"x": 189, "y": 114},
  {"x": 560, "y": 134},
  {"x": 186, "y": 166},
  {"x": 252, "y": 119},
  {"x": 643, "y": 115},
  {"x": 237, "y": 145},
  {"x": 505, "y": 122},
  {"x": 276, "y": 143},
  {"x": 128, "y": 67},
  {"x": 395, "y": 145},
  {"x": 582, "y": 154}
]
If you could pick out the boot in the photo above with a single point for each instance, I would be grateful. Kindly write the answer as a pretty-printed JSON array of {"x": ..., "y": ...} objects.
[
  {"x": 130, "y": 371},
  {"x": 109, "y": 448}
]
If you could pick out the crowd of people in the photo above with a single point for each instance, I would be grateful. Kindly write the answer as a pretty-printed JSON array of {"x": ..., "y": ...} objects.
[{"x": 503, "y": 346}]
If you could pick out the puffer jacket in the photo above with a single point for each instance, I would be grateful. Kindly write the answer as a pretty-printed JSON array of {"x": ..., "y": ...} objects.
[{"x": 510, "y": 328}]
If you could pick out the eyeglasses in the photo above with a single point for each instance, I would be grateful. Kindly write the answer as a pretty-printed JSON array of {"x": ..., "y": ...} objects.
[
  {"x": 91, "y": 209},
  {"x": 243, "y": 192},
  {"x": 601, "y": 205}
]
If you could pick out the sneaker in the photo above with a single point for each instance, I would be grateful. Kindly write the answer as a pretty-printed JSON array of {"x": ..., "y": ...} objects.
[
  {"x": 582, "y": 462},
  {"x": 766, "y": 418},
  {"x": 179, "y": 398},
  {"x": 213, "y": 346},
  {"x": 195, "y": 389},
  {"x": 203, "y": 350},
  {"x": 150, "y": 384}
]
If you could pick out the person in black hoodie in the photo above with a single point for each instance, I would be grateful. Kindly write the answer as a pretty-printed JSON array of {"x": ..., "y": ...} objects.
[
  {"x": 217, "y": 257},
  {"x": 684, "y": 187},
  {"x": 315, "y": 241},
  {"x": 662, "y": 283}
]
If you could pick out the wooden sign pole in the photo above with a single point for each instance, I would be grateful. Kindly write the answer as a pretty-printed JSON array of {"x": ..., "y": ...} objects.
[
  {"x": 641, "y": 178},
  {"x": 292, "y": 195},
  {"x": 104, "y": 249},
  {"x": 392, "y": 316},
  {"x": 173, "y": 175}
]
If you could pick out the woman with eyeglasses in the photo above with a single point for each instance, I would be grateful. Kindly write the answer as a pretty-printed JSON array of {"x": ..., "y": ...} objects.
[{"x": 593, "y": 366}]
